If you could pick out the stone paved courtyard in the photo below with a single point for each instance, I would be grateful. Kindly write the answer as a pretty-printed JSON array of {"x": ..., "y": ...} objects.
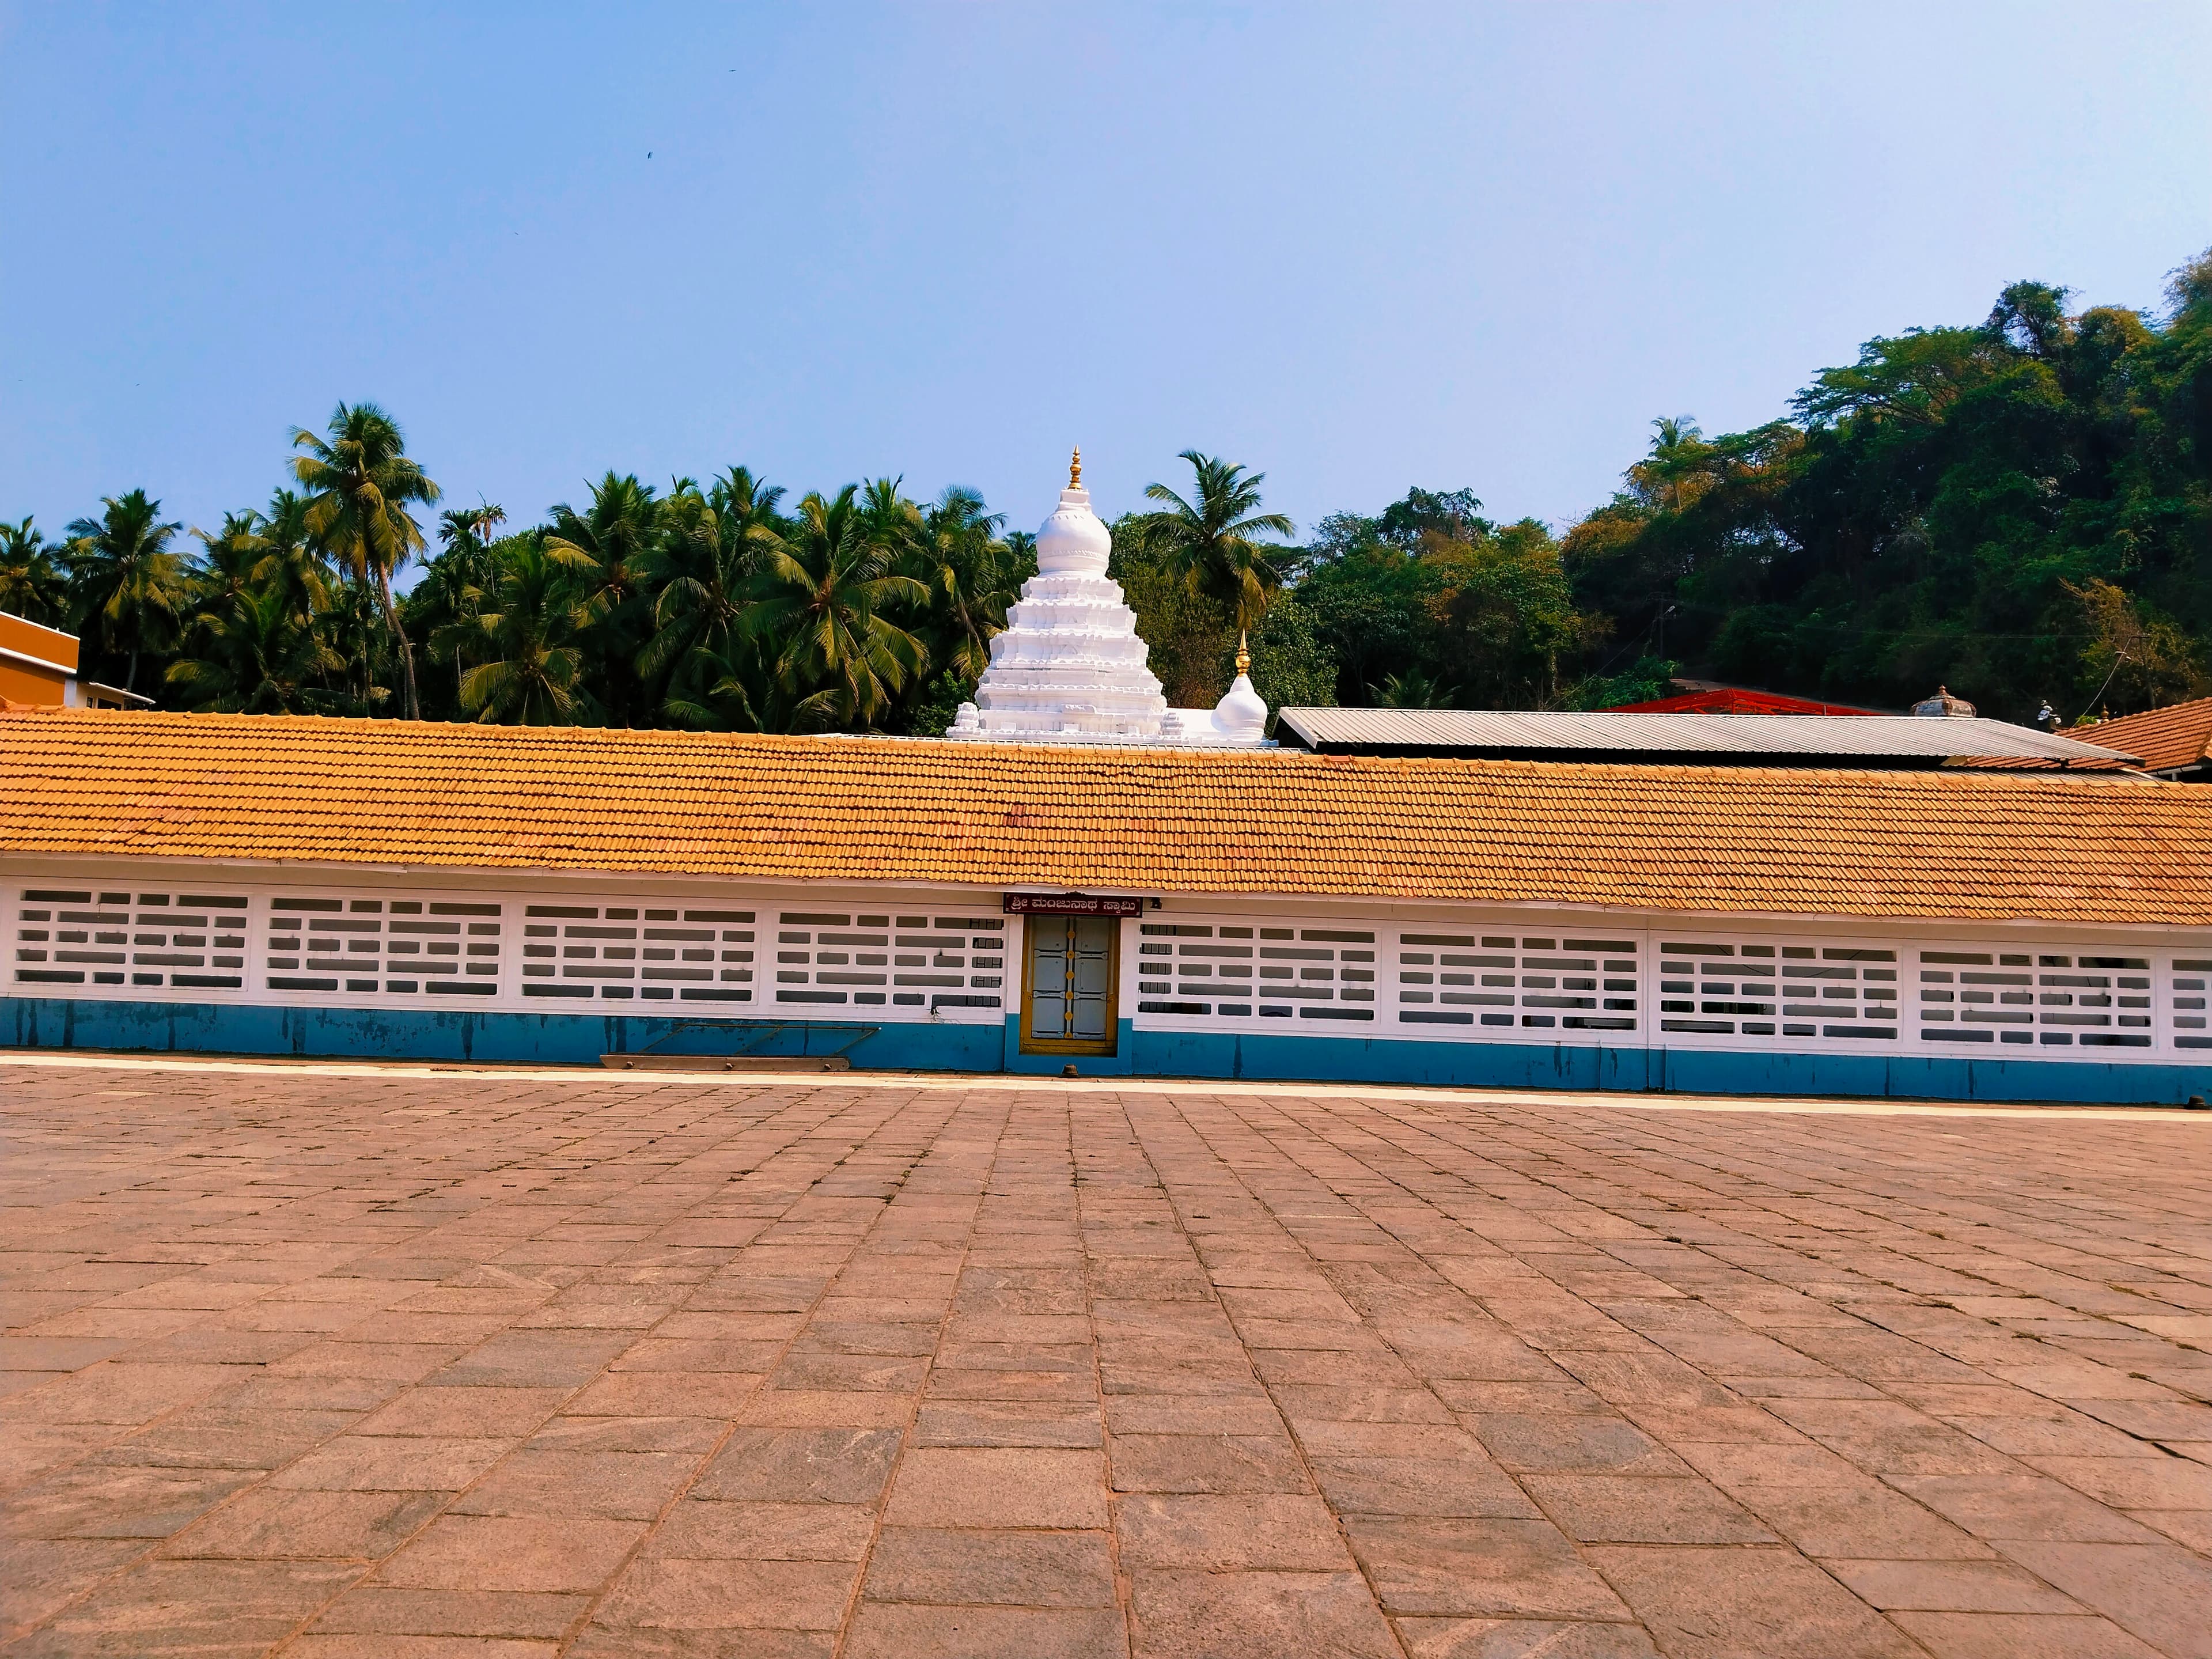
[{"x": 335, "y": 1362}]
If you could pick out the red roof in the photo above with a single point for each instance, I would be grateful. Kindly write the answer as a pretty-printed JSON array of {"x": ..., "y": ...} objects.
[{"x": 1733, "y": 700}]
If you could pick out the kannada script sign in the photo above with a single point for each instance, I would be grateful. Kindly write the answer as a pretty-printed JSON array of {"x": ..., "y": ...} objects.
[{"x": 1071, "y": 905}]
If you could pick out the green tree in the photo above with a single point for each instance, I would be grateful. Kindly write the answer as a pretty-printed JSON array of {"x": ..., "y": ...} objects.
[
  {"x": 533, "y": 671},
  {"x": 615, "y": 538},
  {"x": 2000, "y": 508},
  {"x": 126, "y": 585},
  {"x": 294, "y": 563},
  {"x": 228, "y": 561},
  {"x": 1504, "y": 619},
  {"x": 443, "y": 608},
  {"x": 1292, "y": 666},
  {"x": 1370, "y": 598},
  {"x": 971, "y": 577},
  {"x": 700, "y": 576},
  {"x": 1411, "y": 689},
  {"x": 352, "y": 624},
  {"x": 1207, "y": 543},
  {"x": 31, "y": 586},
  {"x": 1428, "y": 603},
  {"x": 254, "y": 655},
  {"x": 361, "y": 482},
  {"x": 821, "y": 596},
  {"x": 1189, "y": 637}
]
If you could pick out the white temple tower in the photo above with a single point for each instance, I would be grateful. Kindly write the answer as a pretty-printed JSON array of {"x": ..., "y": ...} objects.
[{"x": 1069, "y": 667}]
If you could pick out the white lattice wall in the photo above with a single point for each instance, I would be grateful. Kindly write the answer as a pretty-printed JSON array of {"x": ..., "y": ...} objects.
[
  {"x": 1519, "y": 983},
  {"x": 2044, "y": 999},
  {"x": 2187, "y": 978},
  {"x": 1784, "y": 992},
  {"x": 794, "y": 956},
  {"x": 328, "y": 946},
  {"x": 637, "y": 953},
  {"x": 890, "y": 961},
  {"x": 844, "y": 954},
  {"x": 1209, "y": 971},
  {"x": 88, "y": 938},
  {"x": 1579, "y": 981}
]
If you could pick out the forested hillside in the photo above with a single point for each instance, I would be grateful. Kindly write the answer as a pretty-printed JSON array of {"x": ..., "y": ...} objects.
[{"x": 2020, "y": 508}]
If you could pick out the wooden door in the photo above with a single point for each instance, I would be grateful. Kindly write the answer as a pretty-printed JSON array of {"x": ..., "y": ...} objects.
[{"x": 1069, "y": 974}]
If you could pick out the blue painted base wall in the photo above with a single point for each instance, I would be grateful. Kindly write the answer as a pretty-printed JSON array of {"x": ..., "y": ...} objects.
[
  {"x": 581, "y": 1039},
  {"x": 440, "y": 1034}
]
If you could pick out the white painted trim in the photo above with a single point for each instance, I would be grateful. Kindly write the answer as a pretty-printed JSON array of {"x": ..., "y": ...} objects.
[{"x": 13, "y": 656}]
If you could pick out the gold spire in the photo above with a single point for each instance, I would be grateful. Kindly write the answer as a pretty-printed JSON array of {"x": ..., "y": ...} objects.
[
  {"x": 1075, "y": 469},
  {"x": 1244, "y": 652}
]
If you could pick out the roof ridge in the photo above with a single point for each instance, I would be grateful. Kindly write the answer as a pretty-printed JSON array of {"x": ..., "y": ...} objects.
[{"x": 122, "y": 724}]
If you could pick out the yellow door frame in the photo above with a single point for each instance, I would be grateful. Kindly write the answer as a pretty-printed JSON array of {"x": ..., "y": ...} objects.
[{"x": 1031, "y": 1044}]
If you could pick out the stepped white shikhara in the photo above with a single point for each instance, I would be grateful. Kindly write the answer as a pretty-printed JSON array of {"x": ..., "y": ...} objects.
[{"x": 1069, "y": 666}]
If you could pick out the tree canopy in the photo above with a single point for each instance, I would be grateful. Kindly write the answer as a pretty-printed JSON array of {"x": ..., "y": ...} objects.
[{"x": 2020, "y": 508}]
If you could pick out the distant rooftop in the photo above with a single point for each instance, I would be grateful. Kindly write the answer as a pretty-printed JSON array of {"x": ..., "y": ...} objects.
[
  {"x": 1708, "y": 697},
  {"x": 1855, "y": 740},
  {"x": 2175, "y": 738}
]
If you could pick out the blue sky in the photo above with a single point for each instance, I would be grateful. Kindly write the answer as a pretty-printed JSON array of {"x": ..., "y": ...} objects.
[{"x": 1358, "y": 247}]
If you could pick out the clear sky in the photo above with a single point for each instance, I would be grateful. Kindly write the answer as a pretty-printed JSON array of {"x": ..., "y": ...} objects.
[{"x": 1359, "y": 246}]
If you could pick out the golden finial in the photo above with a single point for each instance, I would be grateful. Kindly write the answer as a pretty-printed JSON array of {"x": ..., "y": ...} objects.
[
  {"x": 1244, "y": 652},
  {"x": 1075, "y": 469}
]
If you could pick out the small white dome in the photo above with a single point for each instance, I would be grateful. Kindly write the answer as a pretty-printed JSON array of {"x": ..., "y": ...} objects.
[
  {"x": 1243, "y": 713},
  {"x": 1072, "y": 542}
]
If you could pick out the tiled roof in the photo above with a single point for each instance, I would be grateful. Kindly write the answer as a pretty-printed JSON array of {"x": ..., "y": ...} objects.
[
  {"x": 2165, "y": 737},
  {"x": 1933, "y": 844}
]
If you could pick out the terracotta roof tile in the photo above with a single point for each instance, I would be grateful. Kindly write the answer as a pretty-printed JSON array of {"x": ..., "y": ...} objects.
[
  {"x": 2166, "y": 738},
  {"x": 1932, "y": 844}
]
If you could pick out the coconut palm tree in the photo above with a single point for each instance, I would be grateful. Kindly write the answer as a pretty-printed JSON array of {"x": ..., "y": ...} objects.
[
  {"x": 130, "y": 589},
  {"x": 746, "y": 509},
  {"x": 255, "y": 655},
  {"x": 294, "y": 563},
  {"x": 613, "y": 536},
  {"x": 229, "y": 560},
  {"x": 822, "y": 597},
  {"x": 352, "y": 624},
  {"x": 535, "y": 675},
  {"x": 361, "y": 481},
  {"x": 446, "y": 604},
  {"x": 484, "y": 518},
  {"x": 701, "y": 577},
  {"x": 32, "y": 585},
  {"x": 1207, "y": 545},
  {"x": 1411, "y": 689},
  {"x": 457, "y": 529},
  {"x": 1679, "y": 457},
  {"x": 890, "y": 518},
  {"x": 736, "y": 688},
  {"x": 970, "y": 575}
]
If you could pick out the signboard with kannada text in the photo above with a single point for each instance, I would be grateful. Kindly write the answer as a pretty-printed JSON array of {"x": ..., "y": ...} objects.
[{"x": 1071, "y": 905}]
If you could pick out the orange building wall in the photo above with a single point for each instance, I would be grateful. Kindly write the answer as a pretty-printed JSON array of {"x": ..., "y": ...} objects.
[
  {"x": 46, "y": 644},
  {"x": 20, "y": 683},
  {"x": 34, "y": 682}
]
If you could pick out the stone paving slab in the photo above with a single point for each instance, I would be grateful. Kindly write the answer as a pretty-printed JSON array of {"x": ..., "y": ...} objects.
[{"x": 332, "y": 1361}]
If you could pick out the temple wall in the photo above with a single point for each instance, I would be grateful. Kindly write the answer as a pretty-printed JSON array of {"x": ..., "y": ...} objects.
[{"x": 538, "y": 967}]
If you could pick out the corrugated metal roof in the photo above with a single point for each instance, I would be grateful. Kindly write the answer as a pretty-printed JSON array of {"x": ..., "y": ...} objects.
[{"x": 1509, "y": 731}]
